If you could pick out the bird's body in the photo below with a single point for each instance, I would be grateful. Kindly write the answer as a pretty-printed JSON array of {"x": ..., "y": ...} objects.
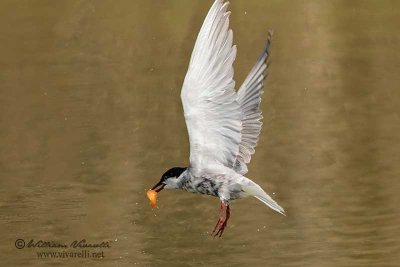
[
  {"x": 223, "y": 124},
  {"x": 222, "y": 183}
]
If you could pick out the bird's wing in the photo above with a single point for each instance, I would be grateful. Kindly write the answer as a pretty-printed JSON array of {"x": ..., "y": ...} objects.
[
  {"x": 212, "y": 113},
  {"x": 249, "y": 98}
]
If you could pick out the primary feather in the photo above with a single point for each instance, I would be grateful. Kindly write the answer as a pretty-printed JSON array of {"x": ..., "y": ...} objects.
[
  {"x": 212, "y": 112},
  {"x": 223, "y": 125},
  {"x": 249, "y": 98}
]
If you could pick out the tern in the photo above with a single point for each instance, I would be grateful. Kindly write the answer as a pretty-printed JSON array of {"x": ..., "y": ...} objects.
[{"x": 223, "y": 124}]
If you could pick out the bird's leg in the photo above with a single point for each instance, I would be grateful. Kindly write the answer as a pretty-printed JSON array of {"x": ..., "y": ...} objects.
[
  {"x": 224, "y": 215},
  {"x": 220, "y": 218}
]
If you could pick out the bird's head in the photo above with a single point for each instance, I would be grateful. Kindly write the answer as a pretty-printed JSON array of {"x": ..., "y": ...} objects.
[{"x": 169, "y": 180}]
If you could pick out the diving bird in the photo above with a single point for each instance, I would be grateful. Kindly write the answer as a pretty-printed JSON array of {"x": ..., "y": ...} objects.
[{"x": 223, "y": 125}]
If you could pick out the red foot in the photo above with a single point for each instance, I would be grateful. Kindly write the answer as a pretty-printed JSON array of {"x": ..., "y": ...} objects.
[{"x": 224, "y": 215}]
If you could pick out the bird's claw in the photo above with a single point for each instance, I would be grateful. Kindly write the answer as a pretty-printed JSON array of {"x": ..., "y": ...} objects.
[
  {"x": 221, "y": 224},
  {"x": 222, "y": 221}
]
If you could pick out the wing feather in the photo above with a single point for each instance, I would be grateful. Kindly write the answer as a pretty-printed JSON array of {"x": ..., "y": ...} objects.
[
  {"x": 212, "y": 112},
  {"x": 249, "y": 98}
]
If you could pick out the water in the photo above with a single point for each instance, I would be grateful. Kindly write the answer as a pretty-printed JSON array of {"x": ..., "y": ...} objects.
[{"x": 90, "y": 118}]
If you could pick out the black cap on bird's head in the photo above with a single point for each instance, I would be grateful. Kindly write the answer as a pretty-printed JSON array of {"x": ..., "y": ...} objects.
[{"x": 172, "y": 173}]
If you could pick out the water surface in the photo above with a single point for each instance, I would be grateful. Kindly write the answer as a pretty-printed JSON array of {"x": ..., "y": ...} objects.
[{"x": 90, "y": 117}]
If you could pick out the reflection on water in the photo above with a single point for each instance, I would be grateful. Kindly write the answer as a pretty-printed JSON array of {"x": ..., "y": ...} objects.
[{"x": 90, "y": 117}]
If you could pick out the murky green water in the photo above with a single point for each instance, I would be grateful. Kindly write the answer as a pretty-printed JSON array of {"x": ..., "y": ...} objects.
[{"x": 90, "y": 116}]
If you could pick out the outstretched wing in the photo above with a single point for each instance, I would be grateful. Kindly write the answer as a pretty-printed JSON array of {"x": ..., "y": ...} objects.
[
  {"x": 249, "y": 98},
  {"x": 212, "y": 113}
]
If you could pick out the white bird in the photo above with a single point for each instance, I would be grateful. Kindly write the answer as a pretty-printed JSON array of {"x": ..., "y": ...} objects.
[{"x": 223, "y": 125}]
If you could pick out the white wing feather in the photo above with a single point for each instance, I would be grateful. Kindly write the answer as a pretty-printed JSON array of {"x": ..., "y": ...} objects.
[
  {"x": 212, "y": 113},
  {"x": 249, "y": 98},
  {"x": 223, "y": 125}
]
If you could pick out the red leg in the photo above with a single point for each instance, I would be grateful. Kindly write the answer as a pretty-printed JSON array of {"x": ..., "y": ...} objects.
[
  {"x": 220, "y": 218},
  {"x": 224, "y": 215}
]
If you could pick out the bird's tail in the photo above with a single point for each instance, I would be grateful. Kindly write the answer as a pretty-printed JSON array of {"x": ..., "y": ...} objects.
[{"x": 256, "y": 191}]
